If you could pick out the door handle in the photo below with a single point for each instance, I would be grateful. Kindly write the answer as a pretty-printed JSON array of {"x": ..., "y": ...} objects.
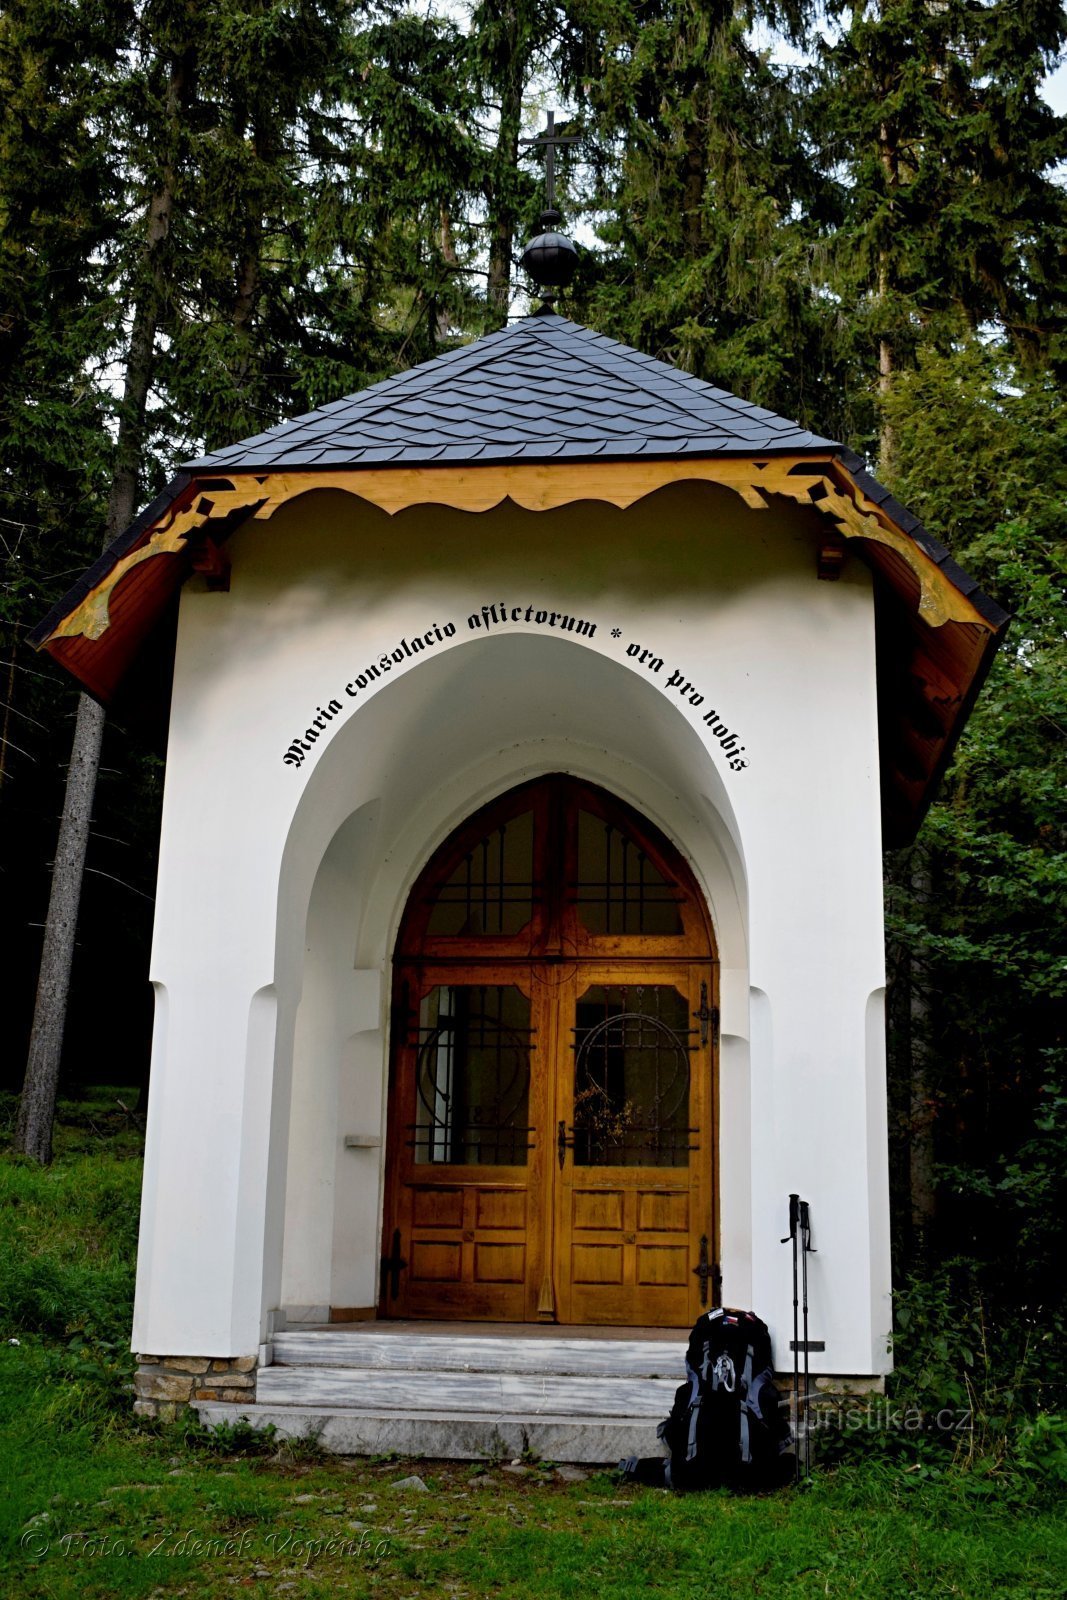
[{"x": 707, "y": 1016}]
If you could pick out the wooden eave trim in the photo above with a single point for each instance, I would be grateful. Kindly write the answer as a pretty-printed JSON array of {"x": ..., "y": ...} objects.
[
  {"x": 921, "y": 792},
  {"x": 820, "y": 482}
]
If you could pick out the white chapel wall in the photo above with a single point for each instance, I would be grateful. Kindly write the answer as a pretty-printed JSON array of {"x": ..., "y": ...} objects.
[{"x": 269, "y": 896}]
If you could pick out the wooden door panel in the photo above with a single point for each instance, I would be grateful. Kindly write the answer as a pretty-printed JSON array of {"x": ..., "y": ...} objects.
[
  {"x": 472, "y": 1254},
  {"x": 499, "y": 1263},
  {"x": 596, "y": 1263},
  {"x": 662, "y": 1266},
  {"x": 627, "y": 1234},
  {"x": 433, "y": 1207},
  {"x": 661, "y": 1212},
  {"x": 596, "y": 1208},
  {"x": 435, "y": 1261},
  {"x": 500, "y": 1208},
  {"x": 461, "y": 1146},
  {"x": 467, "y": 1302}
]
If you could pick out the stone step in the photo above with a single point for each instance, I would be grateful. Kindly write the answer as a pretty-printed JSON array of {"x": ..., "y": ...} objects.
[
  {"x": 465, "y": 1393},
  {"x": 418, "y": 1352},
  {"x": 444, "y": 1393},
  {"x": 445, "y": 1436}
]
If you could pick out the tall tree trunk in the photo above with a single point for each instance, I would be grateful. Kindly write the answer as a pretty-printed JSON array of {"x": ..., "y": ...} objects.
[
  {"x": 501, "y": 201},
  {"x": 695, "y": 176},
  {"x": 922, "y": 1169},
  {"x": 887, "y": 444},
  {"x": 33, "y": 1130},
  {"x": 887, "y": 155},
  {"x": 449, "y": 257},
  {"x": 9, "y": 698},
  {"x": 249, "y": 264}
]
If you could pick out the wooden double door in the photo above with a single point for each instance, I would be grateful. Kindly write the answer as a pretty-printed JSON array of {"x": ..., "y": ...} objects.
[{"x": 552, "y": 1114}]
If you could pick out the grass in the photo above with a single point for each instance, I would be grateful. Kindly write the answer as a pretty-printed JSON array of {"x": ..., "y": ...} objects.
[
  {"x": 96, "y": 1505},
  {"x": 94, "y": 1515}
]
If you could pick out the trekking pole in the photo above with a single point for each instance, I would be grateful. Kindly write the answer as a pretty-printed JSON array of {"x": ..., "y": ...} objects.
[
  {"x": 806, "y": 1248},
  {"x": 794, "y": 1219}
]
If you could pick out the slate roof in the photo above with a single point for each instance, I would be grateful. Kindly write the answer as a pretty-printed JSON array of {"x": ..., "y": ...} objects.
[{"x": 544, "y": 389}]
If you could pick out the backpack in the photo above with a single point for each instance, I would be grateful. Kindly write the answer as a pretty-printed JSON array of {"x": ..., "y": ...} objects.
[{"x": 727, "y": 1425}]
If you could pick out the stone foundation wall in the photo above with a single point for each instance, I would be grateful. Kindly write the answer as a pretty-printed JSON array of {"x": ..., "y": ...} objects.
[{"x": 165, "y": 1385}]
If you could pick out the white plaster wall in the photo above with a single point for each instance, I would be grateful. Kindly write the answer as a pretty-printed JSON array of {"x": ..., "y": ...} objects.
[
  {"x": 328, "y": 1093},
  {"x": 269, "y": 896}
]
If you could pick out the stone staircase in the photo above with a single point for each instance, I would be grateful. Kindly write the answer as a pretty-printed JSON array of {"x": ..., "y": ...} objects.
[{"x": 459, "y": 1393}]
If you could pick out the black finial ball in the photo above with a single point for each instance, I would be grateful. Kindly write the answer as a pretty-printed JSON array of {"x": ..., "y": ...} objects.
[{"x": 551, "y": 259}]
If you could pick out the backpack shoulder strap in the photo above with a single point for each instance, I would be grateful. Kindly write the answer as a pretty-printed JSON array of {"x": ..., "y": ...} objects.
[
  {"x": 746, "y": 1404},
  {"x": 695, "y": 1395}
]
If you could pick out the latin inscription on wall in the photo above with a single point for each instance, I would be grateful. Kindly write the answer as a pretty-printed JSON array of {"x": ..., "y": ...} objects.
[{"x": 672, "y": 680}]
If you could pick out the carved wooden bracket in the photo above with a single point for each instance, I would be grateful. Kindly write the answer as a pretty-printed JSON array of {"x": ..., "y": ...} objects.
[{"x": 212, "y": 562}]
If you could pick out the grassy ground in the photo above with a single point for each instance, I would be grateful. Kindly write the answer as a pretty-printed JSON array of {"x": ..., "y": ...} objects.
[
  {"x": 97, "y": 1506},
  {"x": 107, "y": 1517}
]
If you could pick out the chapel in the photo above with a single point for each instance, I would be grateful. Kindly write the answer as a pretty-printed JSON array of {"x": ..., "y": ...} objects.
[{"x": 539, "y": 718}]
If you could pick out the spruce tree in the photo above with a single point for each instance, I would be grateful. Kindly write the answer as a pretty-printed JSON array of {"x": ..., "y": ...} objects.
[
  {"x": 292, "y": 183},
  {"x": 60, "y": 85},
  {"x": 951, "y": 227},
  {"x": 172, "y": 76},
  {"x": 62, "y": 82},
  {"x": 932, "y": 118},
  {"x": 981, "y": 447},
  {"x": 710, "y": 209}
]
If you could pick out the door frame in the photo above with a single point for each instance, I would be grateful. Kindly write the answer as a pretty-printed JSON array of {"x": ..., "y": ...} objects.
[{"x": 554, "y": 941}]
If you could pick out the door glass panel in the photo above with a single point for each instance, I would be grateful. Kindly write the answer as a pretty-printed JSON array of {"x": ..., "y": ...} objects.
[
  {"x": 631, "y": 1080},
  {"x": 491, "y": 891},
  {"x": 473, "y": 1076},
  {"x": 618, "y": 889}
]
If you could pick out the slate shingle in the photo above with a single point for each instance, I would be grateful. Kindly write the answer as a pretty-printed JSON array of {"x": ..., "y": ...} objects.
[{"x": 542, "y": 389}]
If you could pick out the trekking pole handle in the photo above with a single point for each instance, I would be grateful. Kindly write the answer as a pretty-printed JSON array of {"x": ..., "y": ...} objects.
[
  {"x": 805, "y": 1227},
  {"x": 794, "y": 1217}
]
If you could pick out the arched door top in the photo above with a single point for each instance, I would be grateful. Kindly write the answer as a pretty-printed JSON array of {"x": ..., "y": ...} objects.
[{"x": 556, "y": 867}]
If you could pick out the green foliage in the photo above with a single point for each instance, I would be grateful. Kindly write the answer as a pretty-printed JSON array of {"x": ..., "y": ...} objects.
[
  {"x": 951, "y": 1350},
  {"x": 1041, "y": 1450},
  {"x": 67, "y": 1248},
  {"x": 710, "y": 209},
  {"x": 321, "y": 159},
  {"x": 981, "y": 450},
  {"x": 976, "y": 1399},
  {"x": 68, "y": 1239},
  {"x": 238, "y": 1438},
  {"x": 949, "y": 217},
  {"x": 981, "y": 925}
]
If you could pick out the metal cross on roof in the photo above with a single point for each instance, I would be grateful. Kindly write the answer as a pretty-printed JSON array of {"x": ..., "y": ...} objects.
[{"x": 549, "y": 140}]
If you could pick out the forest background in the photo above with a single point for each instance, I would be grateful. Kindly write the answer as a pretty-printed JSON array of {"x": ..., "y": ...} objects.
[{"x": 219, "y": 213}]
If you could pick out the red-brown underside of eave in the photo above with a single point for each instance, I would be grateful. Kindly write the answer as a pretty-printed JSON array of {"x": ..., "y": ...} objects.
[{"x": 136, "y": 602}]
